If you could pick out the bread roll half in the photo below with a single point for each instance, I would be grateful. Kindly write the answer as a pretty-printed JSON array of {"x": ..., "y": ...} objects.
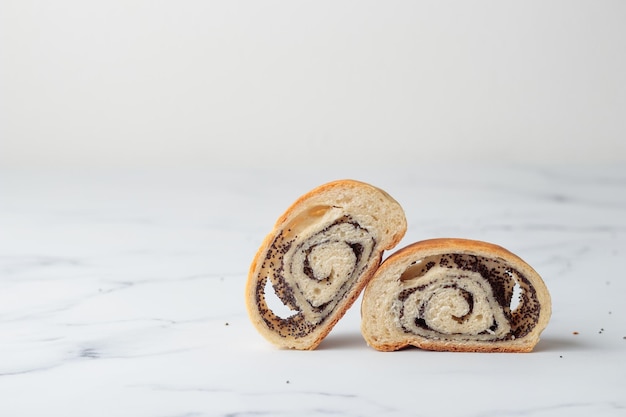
[
  {"x": 318, "y": 258},
  {"x": 455, "y": 295}
]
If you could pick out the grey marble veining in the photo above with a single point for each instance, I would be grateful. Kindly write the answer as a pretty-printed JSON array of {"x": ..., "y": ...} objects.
[{"x": 121, "y": 294}]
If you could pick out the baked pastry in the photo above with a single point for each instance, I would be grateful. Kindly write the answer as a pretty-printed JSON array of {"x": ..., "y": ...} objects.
[
  {"x": 455, "y": 295},
  {"x": 319, "y": 256}
]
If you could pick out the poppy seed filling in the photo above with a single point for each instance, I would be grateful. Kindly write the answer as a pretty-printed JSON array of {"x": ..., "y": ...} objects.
[
  {"x": 465, "y": 297},
  {"x": 311, "y": 272}
]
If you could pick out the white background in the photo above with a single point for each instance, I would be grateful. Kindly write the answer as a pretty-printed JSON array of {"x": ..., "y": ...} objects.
[{"x": 316, "y": 83}]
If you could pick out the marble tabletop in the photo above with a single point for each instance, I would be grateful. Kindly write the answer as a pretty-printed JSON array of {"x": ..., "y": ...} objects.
[{"x": 121, "y": 294}]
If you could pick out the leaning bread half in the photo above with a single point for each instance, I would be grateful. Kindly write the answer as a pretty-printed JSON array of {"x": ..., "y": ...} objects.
[
  {"x": 455, "y": 295},
  {"x": 319, "y": 256}
]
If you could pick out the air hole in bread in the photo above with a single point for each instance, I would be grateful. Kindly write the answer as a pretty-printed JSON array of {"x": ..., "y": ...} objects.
[
  {"x": 517, "y": 296},
  {"x": 305, "y": 219},
  {"x": 275, "y": 304},
  {"x": 415, "y": 270}
]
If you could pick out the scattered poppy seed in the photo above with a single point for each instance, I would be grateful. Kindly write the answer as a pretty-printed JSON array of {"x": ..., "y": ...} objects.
[{"x": 574, "y": 333}]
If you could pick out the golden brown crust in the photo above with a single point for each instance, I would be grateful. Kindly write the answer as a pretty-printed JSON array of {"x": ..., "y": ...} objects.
[
  {"x": 424, "y": 249},
  {"x": 367, "y": 207},
  {"x": 345, "y": 184}
]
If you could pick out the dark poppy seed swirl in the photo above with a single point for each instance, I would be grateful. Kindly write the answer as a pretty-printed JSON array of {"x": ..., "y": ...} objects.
[{"x": 315, "y": 273}]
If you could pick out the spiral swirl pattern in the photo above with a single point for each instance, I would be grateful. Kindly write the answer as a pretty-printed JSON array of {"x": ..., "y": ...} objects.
[
  {"x": 464, "y": 297},
  {"x": 312, "y": 272}
]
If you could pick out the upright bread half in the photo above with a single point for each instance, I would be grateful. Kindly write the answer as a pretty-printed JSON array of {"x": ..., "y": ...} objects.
[
  {"x": 321, "y": 253},
  {"x": 455, "y": 295}
]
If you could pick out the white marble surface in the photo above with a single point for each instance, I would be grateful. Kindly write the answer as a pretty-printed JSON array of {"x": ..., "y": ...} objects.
[{"x": 121, "y": 294}]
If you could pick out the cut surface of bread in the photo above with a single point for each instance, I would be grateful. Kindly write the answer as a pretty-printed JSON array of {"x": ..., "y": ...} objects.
[
  {"x": 455, "y": 295},
  {"x": 317, "y": 259}
]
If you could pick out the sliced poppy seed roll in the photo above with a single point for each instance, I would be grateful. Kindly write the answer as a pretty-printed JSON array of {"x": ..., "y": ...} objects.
[
  {"x": 455, "y": 295},
  {"x": 321, "y": 253}
]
